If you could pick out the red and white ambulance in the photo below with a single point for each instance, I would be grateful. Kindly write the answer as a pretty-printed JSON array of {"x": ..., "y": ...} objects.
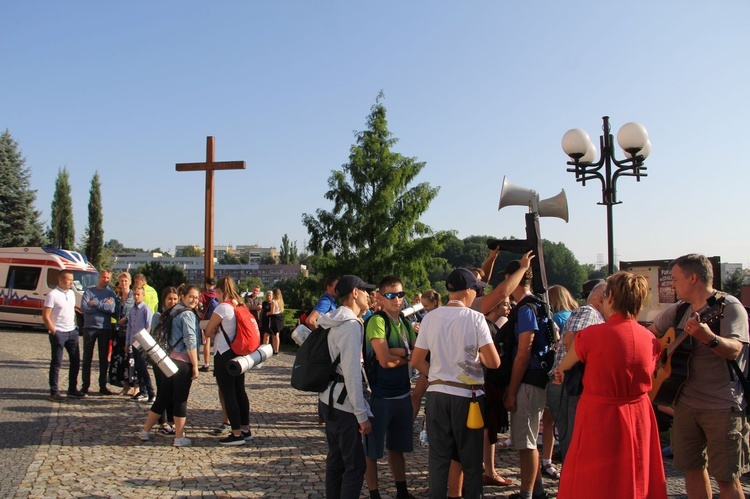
[{"x": 28, "y": 274}]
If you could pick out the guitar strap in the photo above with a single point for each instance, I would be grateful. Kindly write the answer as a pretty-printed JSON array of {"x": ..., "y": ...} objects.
[{"x": 734, "y": 367}]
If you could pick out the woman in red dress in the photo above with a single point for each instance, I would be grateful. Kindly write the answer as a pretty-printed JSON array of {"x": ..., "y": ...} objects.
[{"x": 615, "y": 449}]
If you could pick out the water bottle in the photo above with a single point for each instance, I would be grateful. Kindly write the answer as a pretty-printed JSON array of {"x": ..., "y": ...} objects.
[
  {"x": 423, "y": 434},
  {"x": 423, "y": 438}
]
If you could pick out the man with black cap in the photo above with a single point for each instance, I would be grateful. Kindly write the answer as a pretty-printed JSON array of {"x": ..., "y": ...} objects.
[
  {"x": 459, "y": 343},
  {"x": 561, "y": 404},
  {"x": 348, "y": 420}
]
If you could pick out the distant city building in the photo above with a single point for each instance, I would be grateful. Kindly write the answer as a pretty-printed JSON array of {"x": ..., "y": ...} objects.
[
  {"x": 193, "y": 267},
  {"x": 256, "y": 253}
]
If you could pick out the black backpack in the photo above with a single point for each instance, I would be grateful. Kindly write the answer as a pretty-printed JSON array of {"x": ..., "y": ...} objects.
[
  {"x": 545, "y": 342},
  {"x": 163, "y": 330},
  {"x": 313, "y": 367}
]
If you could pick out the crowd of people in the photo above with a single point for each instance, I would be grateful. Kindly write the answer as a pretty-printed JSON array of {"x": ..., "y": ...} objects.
[{"x": 593, "y": 398}]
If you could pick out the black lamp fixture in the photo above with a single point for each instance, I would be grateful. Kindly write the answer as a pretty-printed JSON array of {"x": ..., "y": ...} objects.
[{"x": 634, "y": 141}]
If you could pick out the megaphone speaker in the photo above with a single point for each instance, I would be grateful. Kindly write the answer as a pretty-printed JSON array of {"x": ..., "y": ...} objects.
[{"x": 556, "y": 206}]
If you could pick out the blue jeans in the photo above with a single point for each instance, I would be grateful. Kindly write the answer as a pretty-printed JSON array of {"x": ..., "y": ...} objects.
[
  {"x": 345, "y": 463},
  {"x": 67, "y": 340},
  {"x": 141, "y": 372}
]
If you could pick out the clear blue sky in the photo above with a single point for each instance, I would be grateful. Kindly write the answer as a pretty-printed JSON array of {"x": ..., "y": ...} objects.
[{"x": 478, "y": 90}]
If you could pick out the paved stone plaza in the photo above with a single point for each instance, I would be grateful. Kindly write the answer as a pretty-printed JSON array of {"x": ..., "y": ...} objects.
[{"x": 87, "y": 448}]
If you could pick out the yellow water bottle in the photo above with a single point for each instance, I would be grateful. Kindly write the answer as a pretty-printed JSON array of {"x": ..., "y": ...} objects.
[{"x": 474, "y": 421}]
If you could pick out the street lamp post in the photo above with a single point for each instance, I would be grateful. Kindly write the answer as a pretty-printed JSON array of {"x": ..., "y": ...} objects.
[{"x": 633, "y": 139}]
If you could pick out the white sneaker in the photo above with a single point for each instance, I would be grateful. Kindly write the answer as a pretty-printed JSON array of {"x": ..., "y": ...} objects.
[
  {"x": 143, "y": 435},
  {"x": 182, "y": 442}
]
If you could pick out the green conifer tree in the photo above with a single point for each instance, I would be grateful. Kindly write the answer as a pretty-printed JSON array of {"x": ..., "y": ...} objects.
[
  {"x": 95, "y": 230},
  {"x": 61, "y": 233},
  {"x": 374, "y": 228},
  {"x": 19, "y": 221}
]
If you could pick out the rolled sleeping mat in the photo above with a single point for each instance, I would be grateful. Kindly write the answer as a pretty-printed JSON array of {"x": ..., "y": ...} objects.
[
  {"x": 155, "y": 353},
  {"x": 240, "y": 365},
  {"x": 417, "y": 307},
  {"x": 300, "y": 334}
]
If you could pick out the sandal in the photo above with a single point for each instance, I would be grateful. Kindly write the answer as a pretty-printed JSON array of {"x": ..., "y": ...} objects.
[
  {"x": 496, "y": 480},
  {"x": 550, "y": 471}
]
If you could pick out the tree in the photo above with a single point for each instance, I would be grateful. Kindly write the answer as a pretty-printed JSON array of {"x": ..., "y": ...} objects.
[
  {"x": 115, "y": 245},
  {"x": 189, "y": 251},
  {"x": 95, "y": 230},
  {"x": 160, "y": 277},
  {"x": 267, "y": 260},
  {"x": 19, "y": 221},
  {"x": 288, "y": 254},
  {"x": 61, "y": 233},
  {"x": 247, "y": 284},
  {"x": 374, "y": 228},
  {"x": 229, "y": 259},
  {"x": 733, "y": 284},
  {"x": 562, "y": 267}
]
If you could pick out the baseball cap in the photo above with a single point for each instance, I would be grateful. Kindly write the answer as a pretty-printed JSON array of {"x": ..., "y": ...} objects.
[
  {"x": 348, "y": 282},
  {"x": 461, "y": 279},
  {"x": 589, "y": 285},
  {"x": 211, "y": 281}
]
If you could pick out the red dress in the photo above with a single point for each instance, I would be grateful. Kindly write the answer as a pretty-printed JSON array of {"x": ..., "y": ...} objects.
[{"x": 615, "y": 450}]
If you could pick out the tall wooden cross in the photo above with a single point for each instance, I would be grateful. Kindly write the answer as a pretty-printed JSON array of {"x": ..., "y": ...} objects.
[{"x": 209, "y": 167}]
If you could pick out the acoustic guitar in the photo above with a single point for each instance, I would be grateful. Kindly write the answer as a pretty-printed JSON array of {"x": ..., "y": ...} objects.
[{"x": 672, "y": 364}]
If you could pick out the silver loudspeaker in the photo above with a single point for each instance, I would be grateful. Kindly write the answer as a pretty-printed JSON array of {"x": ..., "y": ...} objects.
[
  {"x": 556, "y": 206},
  {"x": 515, "y": 195}
]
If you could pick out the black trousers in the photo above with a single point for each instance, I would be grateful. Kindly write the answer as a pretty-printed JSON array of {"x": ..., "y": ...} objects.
[
  {"x": 64, "y": 340},
  {"x": 174, "y": 391},
  {"x": 233, "y": 390},
  {"x": 345, "y": 463},
  {"x": 91, "y": 337}
]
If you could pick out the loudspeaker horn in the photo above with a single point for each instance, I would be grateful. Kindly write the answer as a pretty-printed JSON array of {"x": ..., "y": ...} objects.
[
  {"x": 556, "y": 206},
  {"x": 515, "y": 195}
]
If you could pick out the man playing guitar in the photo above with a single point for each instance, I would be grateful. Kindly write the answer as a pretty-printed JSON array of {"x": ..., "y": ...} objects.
[{"x": 709, "y": 417}]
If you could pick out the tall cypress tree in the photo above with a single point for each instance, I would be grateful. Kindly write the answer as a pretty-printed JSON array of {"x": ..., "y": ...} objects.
[
  {"x": 61, "y": 232},
  {"x": 374, "y": 228},
  {"x": 19, "y": 221},
  {"x": 95, "y": 230}
]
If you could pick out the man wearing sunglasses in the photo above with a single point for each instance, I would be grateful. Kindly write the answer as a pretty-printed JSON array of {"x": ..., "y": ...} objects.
[{"x": 391, "y": 338}]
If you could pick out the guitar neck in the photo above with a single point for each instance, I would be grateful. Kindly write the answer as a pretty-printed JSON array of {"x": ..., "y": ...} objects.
[{"x": 679, "y": 337}]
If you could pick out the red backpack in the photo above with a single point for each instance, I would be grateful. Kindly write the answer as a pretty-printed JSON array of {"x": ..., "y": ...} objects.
[{"x": 247, "y": 339}]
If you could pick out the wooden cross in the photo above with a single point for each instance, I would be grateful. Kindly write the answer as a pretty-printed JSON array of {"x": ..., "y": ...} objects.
[{"x": 209, "y": 166}]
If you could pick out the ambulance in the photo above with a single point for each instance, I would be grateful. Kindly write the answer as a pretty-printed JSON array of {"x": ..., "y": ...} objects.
[{"x": 27, "y": 275}]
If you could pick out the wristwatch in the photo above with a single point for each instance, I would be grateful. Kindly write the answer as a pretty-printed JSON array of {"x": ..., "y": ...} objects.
[{"x": 713, "y": 343}]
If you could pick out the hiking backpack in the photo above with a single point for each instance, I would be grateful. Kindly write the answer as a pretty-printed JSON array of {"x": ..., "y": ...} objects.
[
  {"x": 313, "y": 367},
  {"x": 163, "y": 330},
  {"x": 247, "y": 337},
  {"x": 371, "y": 363},
  {"x": 543, "y": 348}
]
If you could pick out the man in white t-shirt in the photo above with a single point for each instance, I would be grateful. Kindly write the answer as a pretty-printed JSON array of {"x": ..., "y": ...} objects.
[
  {"x": 60, "y": 318},
  {"x": 459, "y": 343}
]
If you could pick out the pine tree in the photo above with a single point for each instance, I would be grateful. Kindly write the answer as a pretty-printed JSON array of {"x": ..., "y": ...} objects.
[
  {"x": 61, "y": 232},
  {"x": 95, "y": 230},
  {"x": 374, "y": 228},
  {"x": 19, "y": 221}
]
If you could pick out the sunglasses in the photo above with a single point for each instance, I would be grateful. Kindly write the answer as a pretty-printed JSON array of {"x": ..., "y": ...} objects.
[{"x": 391, "y": 296}]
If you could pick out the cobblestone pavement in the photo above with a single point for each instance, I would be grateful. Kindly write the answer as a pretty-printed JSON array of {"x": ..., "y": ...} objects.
[{"x": 87, "y": 448}]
